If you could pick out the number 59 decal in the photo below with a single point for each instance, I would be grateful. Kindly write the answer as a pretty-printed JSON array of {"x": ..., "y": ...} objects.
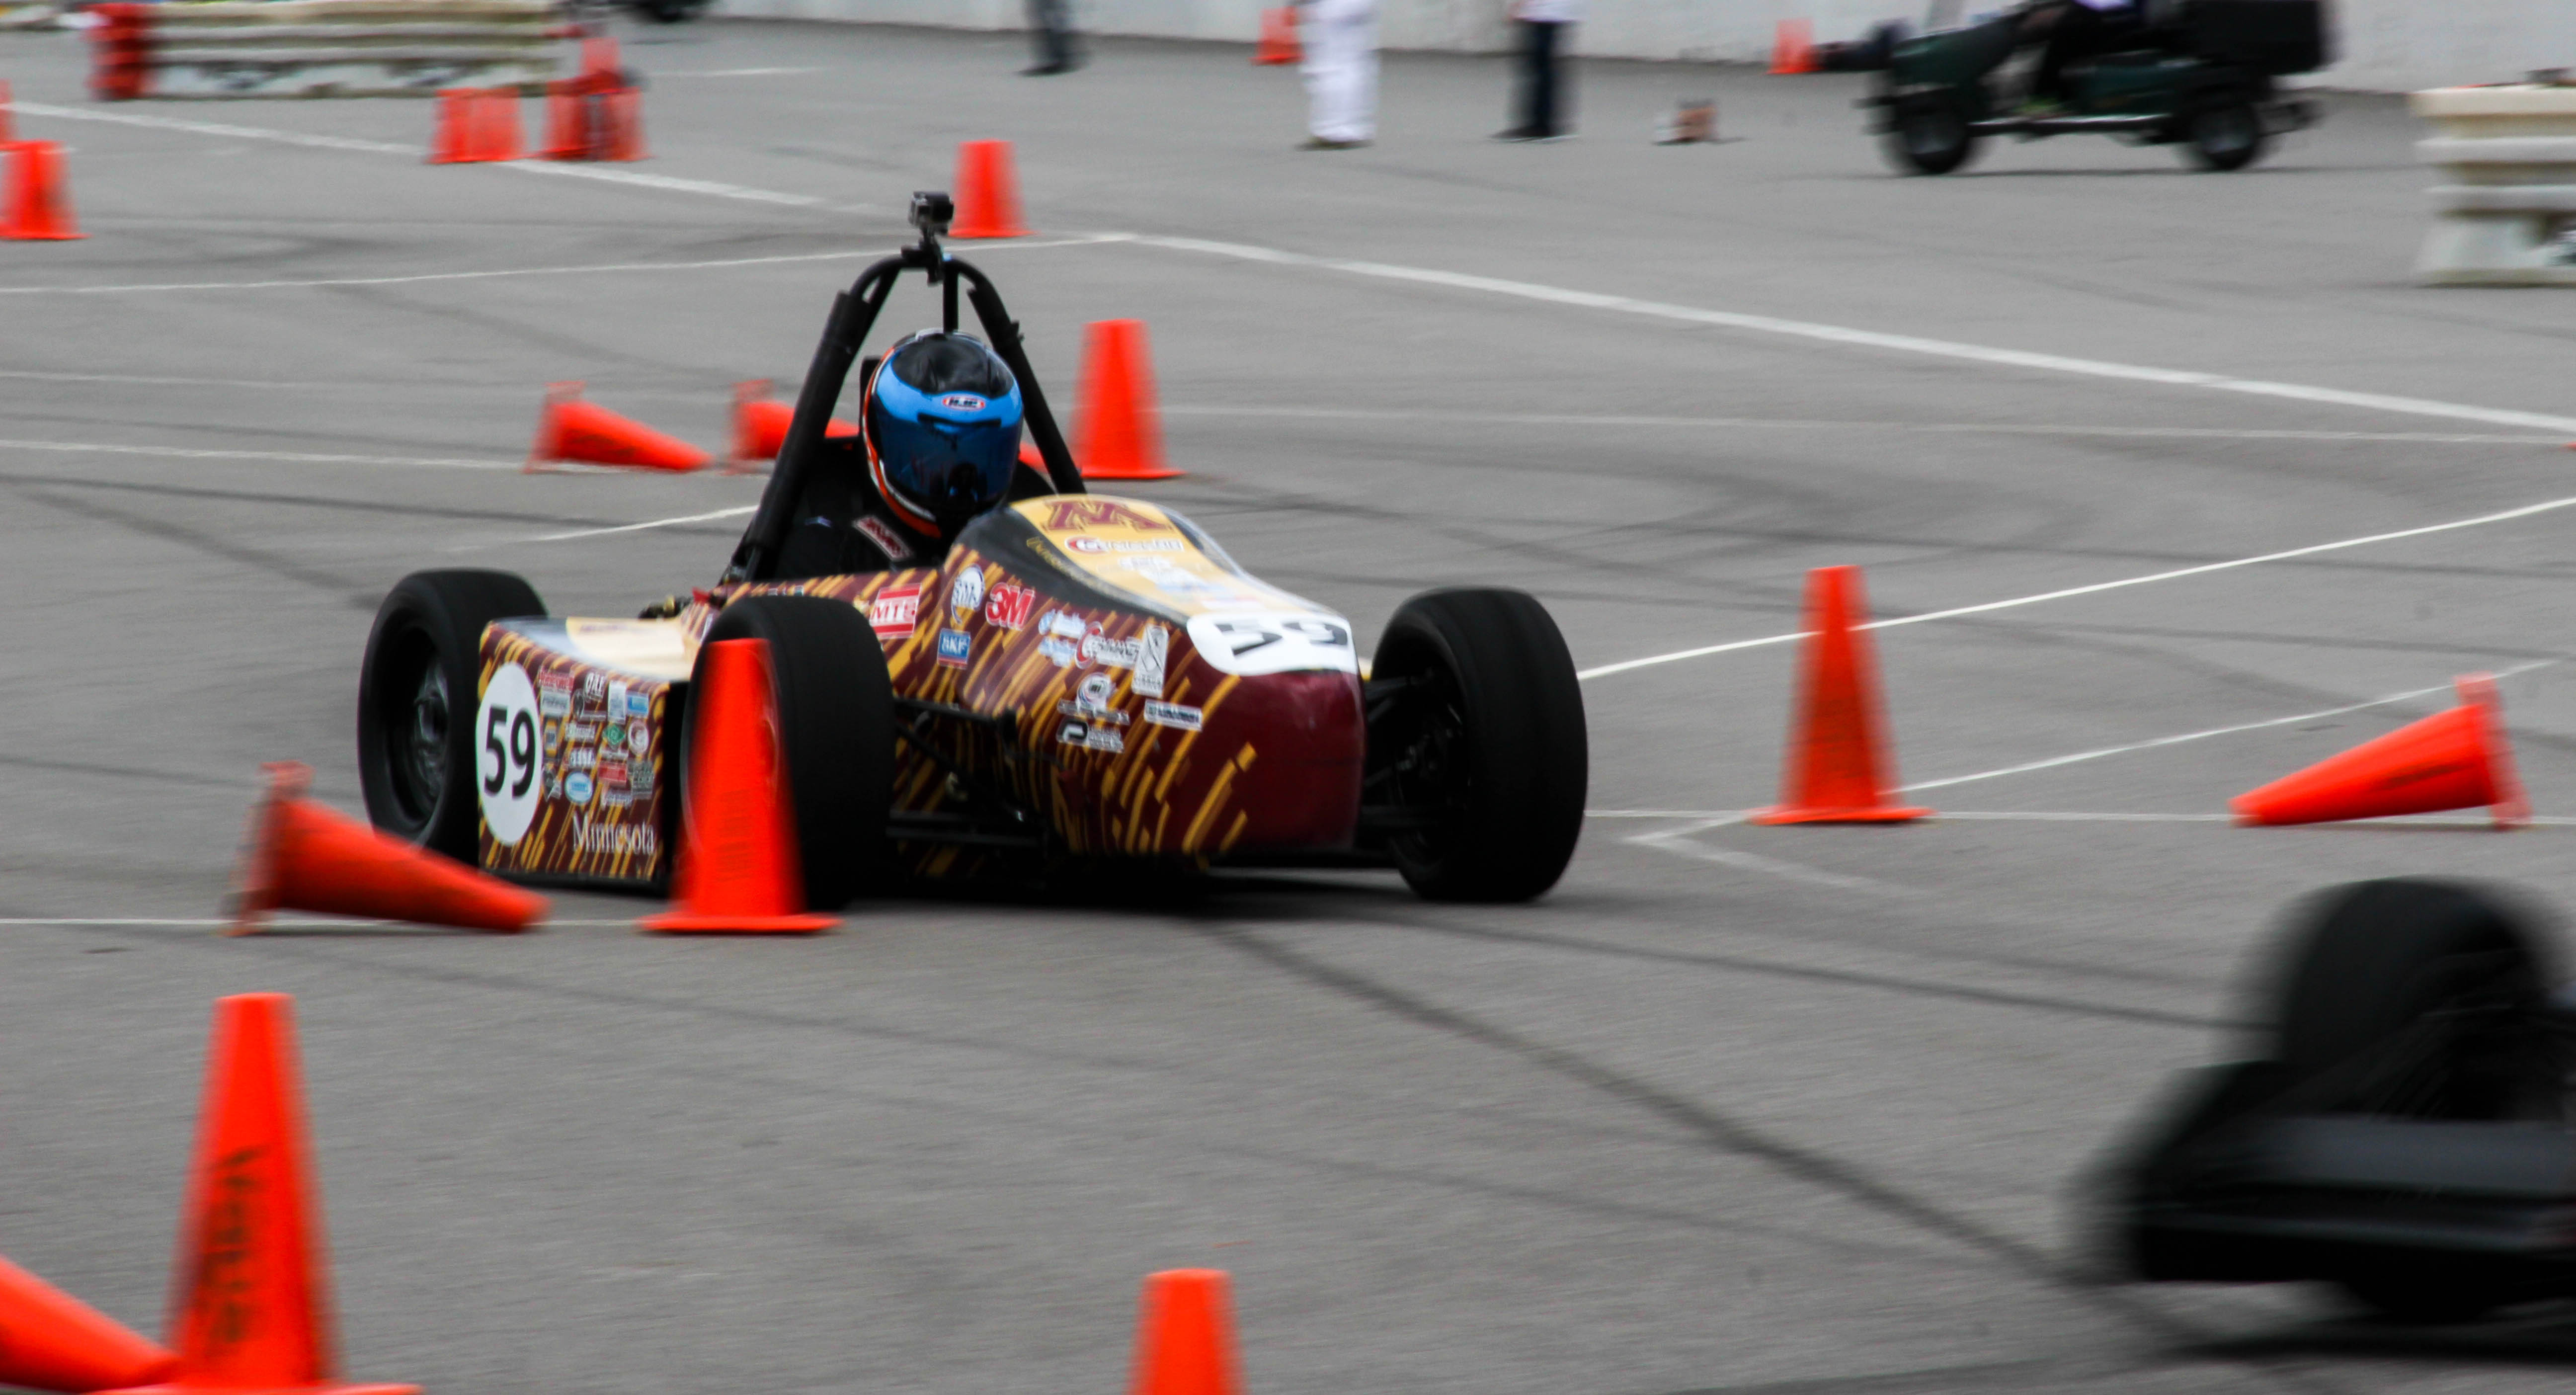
[
  {"x": 1256, "y": 642},
  {"x": 509, "y": 762}
]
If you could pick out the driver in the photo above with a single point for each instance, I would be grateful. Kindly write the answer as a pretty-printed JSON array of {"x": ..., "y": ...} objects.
[{"x": 941, "y": 436}]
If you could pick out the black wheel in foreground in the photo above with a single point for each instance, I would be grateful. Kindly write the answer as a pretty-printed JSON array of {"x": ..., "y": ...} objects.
[
  {"x": 1476, "y": 734},
  {"x": 835, "y": 732},
  {"x": 1930, "y": 137},
  {"x": 2420, "y": 999},
  {"x": 2224, "y": 133},
  {"x": 417, "y": 695}
]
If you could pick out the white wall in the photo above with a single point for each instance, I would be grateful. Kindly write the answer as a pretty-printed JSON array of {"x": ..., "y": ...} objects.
[{"x": 2386, "y": 45}]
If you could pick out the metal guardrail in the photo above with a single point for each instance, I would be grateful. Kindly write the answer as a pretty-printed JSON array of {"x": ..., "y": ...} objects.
[{"x": 322, "y": 48}]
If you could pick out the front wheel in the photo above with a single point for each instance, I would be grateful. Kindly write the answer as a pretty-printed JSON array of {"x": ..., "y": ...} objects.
[
  {"x": 1930, "y": 138},
  {"x": 2224, "y": 134},
  {"x": 418, "y": 690},
  {"x": 1477, "y": 757}
]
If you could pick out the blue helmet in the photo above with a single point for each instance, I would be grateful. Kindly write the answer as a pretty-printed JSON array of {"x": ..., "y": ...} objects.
[{"x": 943, "y": 428}]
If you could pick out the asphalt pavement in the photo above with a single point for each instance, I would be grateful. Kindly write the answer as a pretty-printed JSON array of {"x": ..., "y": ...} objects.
[{"x": 1734, "y": 1109}]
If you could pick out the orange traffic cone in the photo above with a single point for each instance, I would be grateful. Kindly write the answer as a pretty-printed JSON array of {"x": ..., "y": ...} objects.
[
  {"x": 2458, "y": 759},
  {"x": 37, "y": 208},
  {"x": 1838, "y": 769},
  {"x": 1121, "y": 431},
  {"x": 571, "y": 429},
  {"x": 739, "y": 863},
  {"x": 1185, "y": 1336},
  {"x": 988, "y": 191},
  {"x": 1278, "y": 37},
  {"x": 451, "y": 141},
  {"x": 50, "y": 1340},
  {"x": 760, "y": 425},
  {"x": 308, "y": 857},
  {"x": 253, "y": 1305},
  {"x": 496, "y": 124},
  {"x": 1793, "y": 48}
]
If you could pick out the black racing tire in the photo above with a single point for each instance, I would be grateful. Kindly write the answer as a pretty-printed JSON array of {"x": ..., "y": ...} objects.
[
  {"x": 2224, "y": 133},
  {"x": 1930, "y": 137},
  {"x": 1488, "y": 728},
  {"x": 2414, "y": 1290},
  {"x": 418, "y": 689},
  {"x": 2375, "y": 960},
  {"x": 836, "y": 733},
  {"x": 669, "y": 11}
]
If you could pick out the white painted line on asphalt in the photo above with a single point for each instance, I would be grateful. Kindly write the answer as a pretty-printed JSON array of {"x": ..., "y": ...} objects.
[
  {"x": 590, "y": 270},
  {"x": 660, "y": 73},
  {"x": 620, "y": 528},
  {"x": 220, "y": 128},
  {"x": 2204, "y": 569},
  {"x": 220, "y": 922},
  {"x": 1870, "y": 339},
  {"x": 292, "y": 457},
  {"x": 1724, "y": 816},
  {"x": 1677, "y": 841},
  {"x": 1801, "y": 423},
  {"x": 2148, "y": 745}
]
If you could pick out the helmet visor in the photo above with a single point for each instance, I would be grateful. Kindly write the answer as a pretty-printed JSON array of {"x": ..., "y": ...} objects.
[{"x": 949, "y": 467}]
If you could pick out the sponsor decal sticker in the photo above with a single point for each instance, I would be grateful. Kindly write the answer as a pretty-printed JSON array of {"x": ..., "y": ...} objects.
[
  {"x": 1091, "y": 738},
  {"x": 965, "y": 596},
  {"x": 881, "y": 533},
  {"x": 1091, "y": 546},
  {"x": 614, "y": 735},
  {"x": 1152, "y": 647},
  {"x": 582, "y": 733},
  {"x": 577, "y": 787},
  {"x": 616, "y": 839},
  {"x": 1007, "y": 606},
  {"x": 1173, "y": 714},
  {"x": 593, "y": 699},
  {"x": 581, "y": 758},
  {"x": 639, "y": 705},
  {"x": 509, "y": 762},
  {"x": 963, "y": 402},
  {"x": 955, "y": 648},
  {"x": 892, "y": 613},
  {"x": 1099, "y": 648},
  {"x": 1257, "y": 642},
  {"x": 1065, "y": 623},
  {"x": 554, "y": 730},
  {"x": 554, "y": 694},
  {"x": 639, "y": 778},
  {"x": 638, "y": 739},
  {"x": 1057, "y": 651}
]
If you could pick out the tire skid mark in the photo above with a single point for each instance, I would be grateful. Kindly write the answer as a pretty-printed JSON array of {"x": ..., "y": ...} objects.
[{"x": 351, "y": 593}]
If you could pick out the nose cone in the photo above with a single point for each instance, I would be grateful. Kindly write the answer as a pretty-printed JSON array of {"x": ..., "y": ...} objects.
[{"x": 1300, "y": 786}]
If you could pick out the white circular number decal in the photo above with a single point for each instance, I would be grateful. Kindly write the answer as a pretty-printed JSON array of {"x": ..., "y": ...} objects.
[{"x": 510, "y": 764}]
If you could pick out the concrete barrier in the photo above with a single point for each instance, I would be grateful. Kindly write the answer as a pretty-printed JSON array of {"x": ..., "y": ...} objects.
[
  {"x": 322, "y": 48},
  {"x": 2507, "y": 215}
]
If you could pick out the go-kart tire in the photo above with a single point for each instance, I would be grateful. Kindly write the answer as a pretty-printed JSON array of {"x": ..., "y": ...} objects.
[
  {"x": 2224, "y": 134},
  {"x": 1930, "y": 138},
  {"x": 2414, "y": 1291},
  {"x": 418, "y": 690},
  {"x": 1493, "y": 732},
  {"x": 835, "y": 731},
  {"x": 2377, "y": 959}
]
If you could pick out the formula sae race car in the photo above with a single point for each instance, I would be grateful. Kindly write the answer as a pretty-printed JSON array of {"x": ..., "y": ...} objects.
[
  {"x": 2403, "y": 1131},
  {"x": 1080, "y": 679}
]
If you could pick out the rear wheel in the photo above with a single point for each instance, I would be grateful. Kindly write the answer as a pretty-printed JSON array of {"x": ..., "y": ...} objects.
[
  {"x": 835, "y": 731},
  {"x": 2224, "y": 133},
  {"x": 1930, "y": 137},
  {"x": 418, "y": 689},
  {"x": 1476, "y": 745}
]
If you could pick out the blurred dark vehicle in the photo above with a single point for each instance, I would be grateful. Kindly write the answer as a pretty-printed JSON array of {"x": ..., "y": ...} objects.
[
  {"x": 2195, "y": 73},
  {"x": 2402, "y": 1133}
]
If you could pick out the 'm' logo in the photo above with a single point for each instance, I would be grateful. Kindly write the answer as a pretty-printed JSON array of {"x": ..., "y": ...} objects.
[{"x": 1065, "y": 514}]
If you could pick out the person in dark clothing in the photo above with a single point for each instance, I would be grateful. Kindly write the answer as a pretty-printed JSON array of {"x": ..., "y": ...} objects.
[
  {"x": 1051, "y": 29},
  {"x": 938, "y": 444},
  {"x": 1544, "y": 97},
  {"x": 2074, "y": 30}
]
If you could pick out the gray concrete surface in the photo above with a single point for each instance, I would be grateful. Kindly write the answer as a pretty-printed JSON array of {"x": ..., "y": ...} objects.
[{"x": 1734, "y": 1109}]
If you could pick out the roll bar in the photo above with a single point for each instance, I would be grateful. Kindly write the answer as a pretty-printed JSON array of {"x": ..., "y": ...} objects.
[{"x": 854, "y": 313}]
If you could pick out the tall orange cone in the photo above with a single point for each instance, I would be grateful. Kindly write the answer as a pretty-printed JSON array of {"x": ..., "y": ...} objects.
[
  {"x": 308, "y": 857},
  {"x": 1185, "y": 1336},
  {"x": 1838, "y": 769},
  {"x": 571, "y": 429},
  {"x": 988, "y": 191},
  {"x": 451, "y": 140},
  {"x": 1121, "y": 429},
  {"x": 1278, "y": 37},
  {"x": 496, "y": 124},
  {"x": 251, "y": 1313},
  {"x": 739, "y": 865},
  {"x": 1793, "y": 47},
  {"x": 760, "y": 425},
  {"x": 34, "y": 205},
  {"x": 2457, "y": 759},
  {"x": 50, "y": 1340}
]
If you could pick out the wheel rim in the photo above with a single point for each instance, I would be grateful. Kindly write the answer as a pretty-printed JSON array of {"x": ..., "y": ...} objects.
[
  {"x": 1931, "y": 136},
  {"x": 418, "y": 718},
  {"x": 2226, "y": 131},
  {"x": 1426, "y": 763}
]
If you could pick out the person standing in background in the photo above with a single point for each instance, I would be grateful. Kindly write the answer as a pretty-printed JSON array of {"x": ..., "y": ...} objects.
[
  {"x": 1544, "y": 99},
  {"x": 1341, "y": 73},
  {"x": 1051, "y": 27}
]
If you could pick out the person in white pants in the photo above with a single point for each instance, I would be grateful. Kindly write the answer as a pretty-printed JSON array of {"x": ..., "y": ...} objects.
[{"x": 1341, "y": 73}]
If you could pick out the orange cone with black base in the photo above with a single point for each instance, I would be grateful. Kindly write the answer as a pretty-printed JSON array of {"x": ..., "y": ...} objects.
[
  {"x": 1185, "y": 1336},
  {"x": 1121, "y": 428},
  {"x": 739, "y": 867},
  {"x": 251, "y": 1314},
  {"x": 1279, "y": 37},
  {"x": 1793, "y": 47},
  {"x": 760, "y": 425},
  {"x": 35, "y": 205},
  {"x": 308, "y": 857},
  {"x": 2457, "y": 759},
  {"x": 1838, "y": 770},
  {"x": 50, "y": 1340},
  {"x": 571, "y": 429},
  {"x": 988, "y": 191}
]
